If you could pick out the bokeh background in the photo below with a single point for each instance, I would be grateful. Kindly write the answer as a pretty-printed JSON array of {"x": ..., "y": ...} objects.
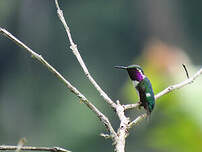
[{"x": 158, "y": 35}]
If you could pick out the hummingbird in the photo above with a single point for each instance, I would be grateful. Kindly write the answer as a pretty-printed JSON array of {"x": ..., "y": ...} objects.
[{"x": 143, "y": 86}]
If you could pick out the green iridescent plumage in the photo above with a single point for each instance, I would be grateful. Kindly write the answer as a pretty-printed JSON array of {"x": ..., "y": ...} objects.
[
  {"x": 142, "y": 85},
  {"x": 147, "y": 99}
]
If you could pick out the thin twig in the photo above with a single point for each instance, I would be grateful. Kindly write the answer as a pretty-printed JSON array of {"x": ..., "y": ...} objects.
[
  {"x": 51, "y": 149},
  {"x": 186, "y": 70},
  {"x": 74, "y": 90},
  {"x": 75, "y": 51},
  {"x": 137, "y": 120},
  {"x": 131, "y": 106}
]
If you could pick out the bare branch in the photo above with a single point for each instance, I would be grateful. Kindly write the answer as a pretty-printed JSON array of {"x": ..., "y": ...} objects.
[
  {"x": 74, "y": 90},
  {"x": 131, "y": 106},
  {"x": 122, "y": 132},
  {"x": 75, "y": 51},
  {"x": 44, "y": 62},
  {"x": 179, "y": 85},
  {"x": 30, "y": 148},
  {"x": 137, "y": 120}
]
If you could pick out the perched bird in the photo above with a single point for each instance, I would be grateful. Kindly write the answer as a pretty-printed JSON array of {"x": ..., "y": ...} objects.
[{"x": 142, "y": 85}]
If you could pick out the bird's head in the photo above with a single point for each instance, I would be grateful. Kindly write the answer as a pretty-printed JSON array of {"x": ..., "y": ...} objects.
[{"x": 135, "y": 72}]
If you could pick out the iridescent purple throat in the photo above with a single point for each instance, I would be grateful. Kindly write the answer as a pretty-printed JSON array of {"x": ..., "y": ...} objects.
[
  {"x": 135, "y": 74},
  {"x": 139, "y": 75}
]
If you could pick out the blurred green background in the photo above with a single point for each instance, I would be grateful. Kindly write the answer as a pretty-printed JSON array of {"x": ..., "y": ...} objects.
[{"x": 158, "y": 35}]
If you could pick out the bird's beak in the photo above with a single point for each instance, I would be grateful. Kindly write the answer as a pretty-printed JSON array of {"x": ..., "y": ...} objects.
[{"x": 120, "y": 67}]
